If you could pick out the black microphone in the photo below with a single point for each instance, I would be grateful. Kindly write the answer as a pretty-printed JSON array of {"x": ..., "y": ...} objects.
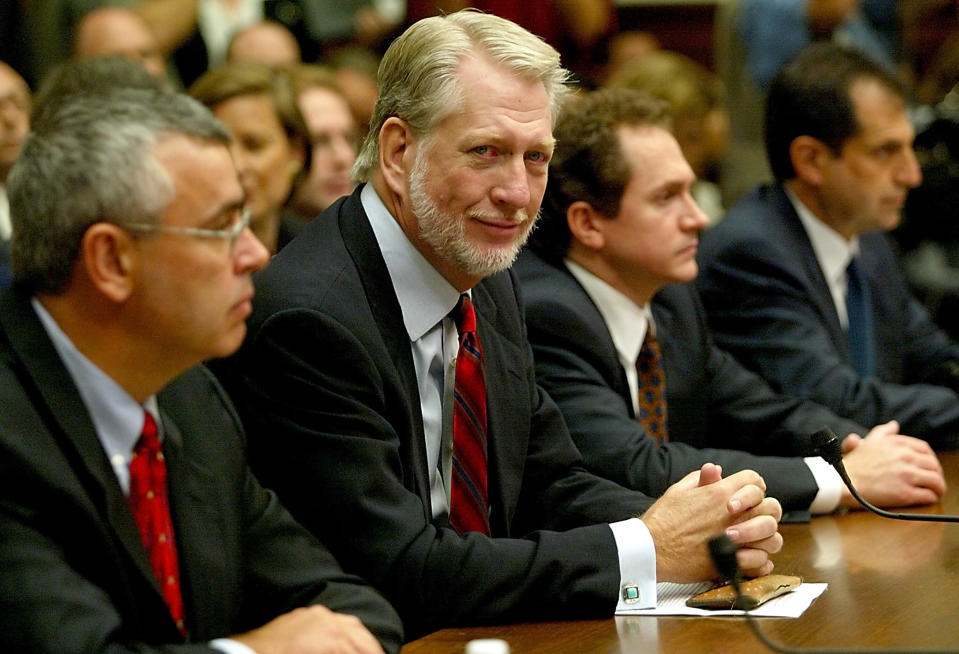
[
  {"x": 828, "y": 446},
  {"x": 723, "y": 554}
]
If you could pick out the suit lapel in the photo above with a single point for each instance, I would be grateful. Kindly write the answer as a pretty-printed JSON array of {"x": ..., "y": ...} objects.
[
  {"x": 58, "y": 401},
  {"x": 361, "y": 243},
  {"x": 811, "y": 271},
  {"x": 506, "y": 382},
  {"x": 612, "y": 368},
  {"x": 198, "y": 531}
]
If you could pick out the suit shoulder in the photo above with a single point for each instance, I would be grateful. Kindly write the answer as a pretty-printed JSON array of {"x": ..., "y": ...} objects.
[
  {"x": 318, "y": 270},
  {"x": 196, "y": 396},
  {"x": 542, "y": 282}
]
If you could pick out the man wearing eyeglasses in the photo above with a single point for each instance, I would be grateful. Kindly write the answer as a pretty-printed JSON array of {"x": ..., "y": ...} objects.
[{"x": 128, "y": 516}]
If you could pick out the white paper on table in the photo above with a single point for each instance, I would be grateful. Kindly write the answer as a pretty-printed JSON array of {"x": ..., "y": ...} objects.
[{"x": 672, "y": 601}]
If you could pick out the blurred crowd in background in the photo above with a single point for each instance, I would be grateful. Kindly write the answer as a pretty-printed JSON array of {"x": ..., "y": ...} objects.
[{"x": 295, "y": 81}]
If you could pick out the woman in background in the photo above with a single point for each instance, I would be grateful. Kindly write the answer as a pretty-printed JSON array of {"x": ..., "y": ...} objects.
[{"x": 270, "y": 142}]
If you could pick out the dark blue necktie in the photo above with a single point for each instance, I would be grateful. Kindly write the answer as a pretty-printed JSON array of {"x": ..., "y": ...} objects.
[{"x": 859, "y": 334}]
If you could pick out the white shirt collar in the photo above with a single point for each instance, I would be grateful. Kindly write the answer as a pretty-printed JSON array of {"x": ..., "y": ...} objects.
[
  {"x": 832, "y": 250},
  {"x": 424, "y": 295},
  {"x": 117, "y": 417},
  {"x": 6, "y": 226},
  {"x": 626, "y": 322},
  {"x": 833, "y": 253}
]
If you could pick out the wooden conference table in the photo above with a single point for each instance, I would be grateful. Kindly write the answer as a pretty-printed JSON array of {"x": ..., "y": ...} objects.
[{"x": 891, "y": 583}]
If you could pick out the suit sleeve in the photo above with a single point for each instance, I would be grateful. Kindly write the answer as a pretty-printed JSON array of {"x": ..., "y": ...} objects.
[
  {"x": 761, "y": 310},
  {"x": 330, "y": 432},
  {"x": 613, "y": 443},
  {"x": 282, "y": 565}
]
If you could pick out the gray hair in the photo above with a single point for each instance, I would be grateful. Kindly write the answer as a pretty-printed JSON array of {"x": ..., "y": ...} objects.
[
  {"x": 418, "y": 80},
  {"x": 90, "y": 160}
]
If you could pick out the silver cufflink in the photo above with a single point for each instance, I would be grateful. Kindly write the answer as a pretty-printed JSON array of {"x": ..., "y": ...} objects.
[{"x": 630, "y": 593}]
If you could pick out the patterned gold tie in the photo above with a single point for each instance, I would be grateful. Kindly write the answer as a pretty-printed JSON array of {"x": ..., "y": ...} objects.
[{"x": 652, "y": 388}]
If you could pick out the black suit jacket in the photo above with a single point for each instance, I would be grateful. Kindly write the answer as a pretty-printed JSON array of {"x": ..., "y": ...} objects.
[
  {"x": 712, "y": 401},
  {"x": 327, "y": 387},
  {"x": 768, "y": 304},
  {"x": 75, "y": 576}
]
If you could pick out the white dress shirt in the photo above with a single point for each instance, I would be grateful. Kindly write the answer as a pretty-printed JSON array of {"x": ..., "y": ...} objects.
[
  {"x": 627, "y": 324},
  {"x": 6, "y": 225},
  {"x": 833, "y": 252}
]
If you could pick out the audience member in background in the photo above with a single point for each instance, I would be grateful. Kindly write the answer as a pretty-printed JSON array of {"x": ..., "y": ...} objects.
[
  {"x": 699, "y": 117},
  {"x": 576, "y": 28},
  {"x": 266, "y": 42},
  {"x": 326, "y": 25},
  {"x": 270, "y": 140},
  {"x": 775, "y": 31},
  {"x": 134, "y": 264},
  {"x": 333, "y": 136},
  {"x": 49, "y": 31},
  {"x": 14, "y": 125},
  {"x": 118, "y": 31},
  {"x": 613, "y": 321},
  {"x": 800, "y": 281},
  {"x": 195, "y": 34},
  {"x": 355, "y": 70},
  {"x": 347, "y": 386},
  {"x": 624, "y": 48}
]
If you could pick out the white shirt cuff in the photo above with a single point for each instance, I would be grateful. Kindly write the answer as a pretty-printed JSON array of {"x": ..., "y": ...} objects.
[
  {"x": 637, "y": 565},
  {"x": 830, "y": 485},
  {"x": 228, "y": 646}
]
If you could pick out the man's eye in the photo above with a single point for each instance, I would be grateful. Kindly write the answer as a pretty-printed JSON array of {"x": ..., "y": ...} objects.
[
  {"x": 536, "y": 156},
  {"x": 483, "y": 150}
]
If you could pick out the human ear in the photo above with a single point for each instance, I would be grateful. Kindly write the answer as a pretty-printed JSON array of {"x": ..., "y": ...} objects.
[
  {"x": 586, "y": 225},
  {"x": 395, "y": 140},
  {"x": 108, "y": 258},
  {"x": 809, "y": 156}
]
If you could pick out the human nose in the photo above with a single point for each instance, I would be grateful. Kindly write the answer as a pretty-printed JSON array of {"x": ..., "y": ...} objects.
[
  {"x": 513, "y": 187},
  {"x": 344, "y": 152},
  {"x": 694, "y": 218},
  {"x": 249, "y": 253},
  {"x": 910, "y": 174},
  {"x": 10, "y": 114}
]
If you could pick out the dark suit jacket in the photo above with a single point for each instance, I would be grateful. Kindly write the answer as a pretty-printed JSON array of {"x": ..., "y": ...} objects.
[
  {"x": 327, "y": 387},
  {"x": 712, "y": 401},
  {"x": 75, "y": 576},
  {"x": 769, "y": 305}
]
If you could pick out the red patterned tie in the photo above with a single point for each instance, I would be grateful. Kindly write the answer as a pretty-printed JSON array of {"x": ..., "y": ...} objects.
[
  {"x": 469, "y": 502},
  {"x": 150, "y": 505},
  {"x": 652, "y": 388}
]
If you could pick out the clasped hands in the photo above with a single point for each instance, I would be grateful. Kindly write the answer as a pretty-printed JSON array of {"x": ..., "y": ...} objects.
[{"x": 703, "y": 505}]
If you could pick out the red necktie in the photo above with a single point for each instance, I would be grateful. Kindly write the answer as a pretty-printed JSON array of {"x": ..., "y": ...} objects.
[
  {"x": 469, "y": 502},
  {"x": 150, "y": 505},
  {"x": 652, "y": 388}
]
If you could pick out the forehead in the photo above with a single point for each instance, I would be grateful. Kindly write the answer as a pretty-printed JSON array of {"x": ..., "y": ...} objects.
[
  {"x": 654, "y": 156},
  {"x": 322, "y": 106},
  {"x": 880, "y": 114},
  {"x": 11, "y": 84},
  {"x": 500, "y": 104},
  {"x": 248, "y": 112},
  {"x": 202, "y": 172},
  {"x": 117, "y": 30}
]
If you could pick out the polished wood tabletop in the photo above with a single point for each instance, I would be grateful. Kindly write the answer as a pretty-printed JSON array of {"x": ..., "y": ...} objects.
[{"x": 892, "y": 584}]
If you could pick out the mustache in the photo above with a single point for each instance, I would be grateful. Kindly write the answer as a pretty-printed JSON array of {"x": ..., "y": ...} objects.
[{"x": 518, "y": 217}]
